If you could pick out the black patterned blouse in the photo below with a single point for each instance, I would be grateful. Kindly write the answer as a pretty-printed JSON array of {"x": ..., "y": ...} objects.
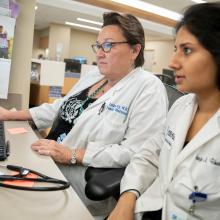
[{"x": 68, "y": 114}]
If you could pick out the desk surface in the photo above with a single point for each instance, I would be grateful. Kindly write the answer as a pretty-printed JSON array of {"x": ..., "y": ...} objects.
[{"x": 25, "y": 205}]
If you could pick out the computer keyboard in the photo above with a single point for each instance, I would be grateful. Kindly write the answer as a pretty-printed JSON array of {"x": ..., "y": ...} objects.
[{"x": 4, "y": 147}]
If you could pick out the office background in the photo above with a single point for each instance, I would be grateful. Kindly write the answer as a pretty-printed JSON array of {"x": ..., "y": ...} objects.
[{"x": 32, "y": 39}]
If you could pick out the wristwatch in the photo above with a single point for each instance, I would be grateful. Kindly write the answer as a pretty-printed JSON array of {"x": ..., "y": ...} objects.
[{"x": 73, "y": 158}]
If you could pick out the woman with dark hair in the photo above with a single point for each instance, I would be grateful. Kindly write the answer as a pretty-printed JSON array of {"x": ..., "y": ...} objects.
[
  {"x": 188, "y": 183},
  {"x": 107, "y": 115}
]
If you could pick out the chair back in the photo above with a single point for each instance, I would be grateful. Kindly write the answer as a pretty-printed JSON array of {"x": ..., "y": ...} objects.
[
  {"x": 165, "y": 78},
  {"x": 172, "y": 93}
]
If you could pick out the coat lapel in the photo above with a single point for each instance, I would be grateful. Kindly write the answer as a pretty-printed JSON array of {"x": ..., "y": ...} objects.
[
  {"x": 91, "y": 80},
  {"x": 117, "y": 87},
  {"x": 209, "y": 131},
  {"x": 183, "y": 123}
]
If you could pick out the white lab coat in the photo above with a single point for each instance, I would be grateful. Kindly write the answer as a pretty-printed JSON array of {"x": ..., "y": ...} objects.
[
  {"x": 135, "y": 109},
  {"x": 180, "y": 170}
]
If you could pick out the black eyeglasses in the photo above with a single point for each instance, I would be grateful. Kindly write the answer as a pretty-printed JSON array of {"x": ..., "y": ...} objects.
[{"x": 106, "y": 46}]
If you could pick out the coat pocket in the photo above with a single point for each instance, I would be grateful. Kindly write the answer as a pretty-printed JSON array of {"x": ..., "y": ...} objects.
[{"x": 113, "y": 130}]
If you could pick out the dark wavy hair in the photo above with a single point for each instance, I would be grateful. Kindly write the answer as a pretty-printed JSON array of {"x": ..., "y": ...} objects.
[
  {"x": 131, "y": 29},
  {"x": 203, "y": 21}
]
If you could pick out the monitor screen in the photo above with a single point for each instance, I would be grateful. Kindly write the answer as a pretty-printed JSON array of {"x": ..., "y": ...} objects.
[
  {"x": 170, "y": 73},
  {"x": 72, "y": 65}
]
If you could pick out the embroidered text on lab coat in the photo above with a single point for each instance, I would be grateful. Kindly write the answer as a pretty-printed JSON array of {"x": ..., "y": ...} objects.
[
  {"x": 206, "y": 159},
  {"x": 169, "y": 136},
  {"x": 118, "y": 108}
]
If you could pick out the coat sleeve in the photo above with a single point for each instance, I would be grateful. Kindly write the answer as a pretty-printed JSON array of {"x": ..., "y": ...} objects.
[
  {"x": 143, "y": 166},
  {"x": 44, "y": 115},
  {"x": 148, "y": 115}
]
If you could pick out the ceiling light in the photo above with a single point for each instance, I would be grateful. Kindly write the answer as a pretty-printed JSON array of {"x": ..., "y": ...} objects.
[
  {"x": 83, "y": 26},
  {"x": 36, "y": 7},
  {"x": 90, "y": 21},
  {"x": 199, "y": 1},
  {"x": 150, "y": 8}
]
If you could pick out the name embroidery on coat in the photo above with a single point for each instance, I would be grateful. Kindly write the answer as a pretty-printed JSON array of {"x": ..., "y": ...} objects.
[
  {"x": 118, "y": 108},
  {"x": 206, "y": 159},
  {"x": 169, "y": 136}
]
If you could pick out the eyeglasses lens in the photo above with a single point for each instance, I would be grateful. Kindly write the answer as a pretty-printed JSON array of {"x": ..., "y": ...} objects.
[{"x": 106, "y": 47}]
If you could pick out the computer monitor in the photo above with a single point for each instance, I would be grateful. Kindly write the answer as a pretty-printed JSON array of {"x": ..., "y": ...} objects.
[{"x": 72, "y": 65}]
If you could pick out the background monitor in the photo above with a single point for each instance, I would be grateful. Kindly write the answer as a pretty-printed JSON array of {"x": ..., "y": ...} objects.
[
  {"x": 72, "y": 65},
  {"x": 171, "y": 79}
]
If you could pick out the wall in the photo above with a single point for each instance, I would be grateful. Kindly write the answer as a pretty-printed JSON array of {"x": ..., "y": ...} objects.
[
  {"x": 80, "y": 44},
  {"x": 75, "y": 42},
  {"x": 22, "y": 51},
  {"x": 163, "y": 51},
  {"x": 36, "y": 45},
  {"x": 59, "y": 34}
]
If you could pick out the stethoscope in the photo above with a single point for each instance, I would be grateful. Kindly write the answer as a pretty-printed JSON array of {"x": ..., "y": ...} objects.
[{"x": 22, "y": 175}]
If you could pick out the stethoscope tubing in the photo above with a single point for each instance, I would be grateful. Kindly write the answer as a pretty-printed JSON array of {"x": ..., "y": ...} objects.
[
  {"x": 63, "y": 186},
  {"x": 43, "y": 179}
]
